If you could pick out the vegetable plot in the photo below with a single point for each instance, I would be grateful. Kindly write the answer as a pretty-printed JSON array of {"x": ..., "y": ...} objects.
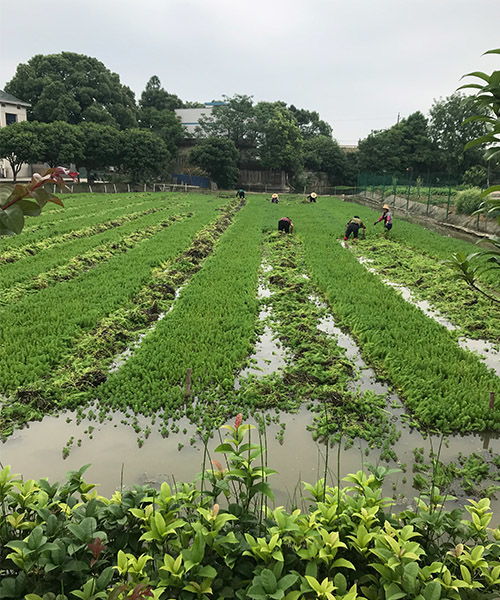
[
  {"x": 445, "y": 387},
  {"x": 210, "y": 331}
]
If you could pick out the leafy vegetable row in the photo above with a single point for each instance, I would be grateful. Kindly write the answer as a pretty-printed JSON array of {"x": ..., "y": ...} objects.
[
  {"x": 14, "y": 254},
  {"x": 58, "y": 316},
  {"x": 86, "y": 363},
  {"x": 108, "y": 208},
  {"x": 445, "y": 387},
  {"x": 12, "y": 274},
  {"x": 86, "y": 261},
  {"x": 431, "y": 280},
  {"x": 210, "y": 331}
]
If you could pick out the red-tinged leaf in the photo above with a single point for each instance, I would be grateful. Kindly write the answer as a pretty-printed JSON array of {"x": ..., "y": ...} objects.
[{"x": 56, "y": 200}]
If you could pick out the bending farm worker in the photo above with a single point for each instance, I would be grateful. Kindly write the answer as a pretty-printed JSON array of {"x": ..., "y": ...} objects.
[
  {"x": 312, "y": 197},
  {"x": 386, "y": 217},
  {"x": 240, "y": 193},
  {"x": 285, "y": 224},
  {"x": 353, "y": 227},
  {"x": 275, "y": 198}
]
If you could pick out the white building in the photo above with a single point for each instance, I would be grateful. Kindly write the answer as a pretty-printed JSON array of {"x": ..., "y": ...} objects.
[
  {"x": 190, "y": 117},
  {"x": 12, "y": 110}
]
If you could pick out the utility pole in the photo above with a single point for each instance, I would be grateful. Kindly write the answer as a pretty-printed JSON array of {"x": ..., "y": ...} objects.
[{"x": 398, "y": 119}]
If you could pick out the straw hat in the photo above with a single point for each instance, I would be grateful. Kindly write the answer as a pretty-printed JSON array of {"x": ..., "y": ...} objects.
[
  {"x": 274, "y": 196},
  {"x": 314, "y": 195},
  {"x": 386, "y": 206}
]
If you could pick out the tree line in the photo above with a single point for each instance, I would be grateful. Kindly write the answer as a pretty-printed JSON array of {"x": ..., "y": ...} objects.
[{"x": 81, "y": 113}]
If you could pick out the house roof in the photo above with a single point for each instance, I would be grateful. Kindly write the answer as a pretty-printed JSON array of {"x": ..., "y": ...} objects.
[{"x": 10, "y": 99}]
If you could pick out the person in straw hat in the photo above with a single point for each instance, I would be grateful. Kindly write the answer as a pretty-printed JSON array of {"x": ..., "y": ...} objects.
[
  {"x": 275, "y": 198},
  {"x": 386, "y": 217},
  {"x": 312, "y": 197}
]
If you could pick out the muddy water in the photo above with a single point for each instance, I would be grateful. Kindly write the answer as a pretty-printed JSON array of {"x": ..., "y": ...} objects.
[{"x": 36, "y": 452}]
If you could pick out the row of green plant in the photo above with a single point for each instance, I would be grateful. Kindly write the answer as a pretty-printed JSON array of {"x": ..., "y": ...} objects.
[
  {"x": 210, "y": 332},
  {"x": 318, "y": 372},
  {"x": 219, "y": 539},
  {"x": 12, "y": 274},
  {"x": 56, "y": 317},
  {"x": 431, "y": 280},
  {"x": 88, "y": 260},
  {"x": 86, "y": 364},
  {"x": 84, "y": 216},
  {"x": 15, "y": 254},
  {"x": 444, "y": 386}
]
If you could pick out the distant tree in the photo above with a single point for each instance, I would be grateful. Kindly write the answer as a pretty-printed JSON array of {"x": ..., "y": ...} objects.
[
  {"x": 154, "y": 96},
  {"x": 62, "y": 143},
  {"x": 142, "y": 155},
  {"x": 402, "y": 147},
  {"x": 475, "y": 176},
  {"x": 20, "y": 143},
  {"x": 450, "y": 133},
  {"x": 234, "y": 120},
  {"x": 165, "y": 124},
  {"x": 279, "y": 140},
  {"x": 101, "y": 144},
  {"x": 380, "y": 151},
  {"x": 219, "y": 158},
  {"x": 309, "y": 123},
  {"x": 73, "y": 87},
  {"x": 322, "y": 153}
]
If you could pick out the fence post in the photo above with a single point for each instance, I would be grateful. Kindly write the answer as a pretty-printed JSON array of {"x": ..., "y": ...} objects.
[
  {"x": 408, "y": 197},
  {"x": 114, "y": 187},
  {"x": 448, "y": 202},
  {"x": 428, "y": 199},
  {"x": 105, "y": 189},
  {"x": 90, "y": 189}
]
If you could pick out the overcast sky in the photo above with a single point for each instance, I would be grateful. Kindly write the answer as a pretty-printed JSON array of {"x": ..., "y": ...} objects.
[{"x": 357, "y": 62}]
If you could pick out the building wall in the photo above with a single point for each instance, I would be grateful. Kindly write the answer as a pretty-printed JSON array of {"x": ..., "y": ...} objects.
[
  {"x": 20, "y": 111},
  {"x": 190, "y": 117}
]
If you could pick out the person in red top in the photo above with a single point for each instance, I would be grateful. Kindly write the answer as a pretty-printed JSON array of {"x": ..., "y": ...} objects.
[
  {"x": 386, "y": 217},
  {"x": 285, "y": 224}
]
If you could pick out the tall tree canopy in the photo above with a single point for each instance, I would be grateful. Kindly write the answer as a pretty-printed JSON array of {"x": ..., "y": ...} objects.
[
  {"x": 218, "y": 157},
  {"x": 235, "y": 119},
  {"x": 404, "y": 147},
  {"x": 450, "y": 133},
  {"x": 156, "y": 113},
  {"x": 73, "y": 88},
  {"x": 62, "y": 143},
  {"x": 154, "y": 96},
  {"x": 322, "y": 153},
  {"x": 309, "y": 122},
  {"x": 142, "y": 155}
]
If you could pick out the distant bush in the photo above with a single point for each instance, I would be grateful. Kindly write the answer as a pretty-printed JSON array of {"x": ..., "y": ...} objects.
[{"x": 468, "y": 201}]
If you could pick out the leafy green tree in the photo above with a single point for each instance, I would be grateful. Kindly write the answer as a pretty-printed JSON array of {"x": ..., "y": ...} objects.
[
  {"x": 101, "y": 145},
  {"x": 62, "y": 143},
  {"x": 20, "y": 143},
  {"x": 380, "y": 151},
  {"x": 219, "y": 158},
  {"x": 154, "y": 96},
  {"x": 476, "y": 176},
  {"x": 309, "y": 122},
  {"x": 234, "y": 120},
  {"x": 73, "y": 87},
  {"x": 165, "y": 125},
  {"x": 142, "y": 154},
  {"x": 406, "y": 146},
  {"x": 451, "y": 130},
  {"x": 322, "y": 153},
  {"x": 279, "y": 140}
]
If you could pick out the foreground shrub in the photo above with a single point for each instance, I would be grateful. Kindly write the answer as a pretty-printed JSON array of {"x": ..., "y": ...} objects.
[
  {"x": 468, "y": 201},
  {"x": 61, "y": 541}
]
